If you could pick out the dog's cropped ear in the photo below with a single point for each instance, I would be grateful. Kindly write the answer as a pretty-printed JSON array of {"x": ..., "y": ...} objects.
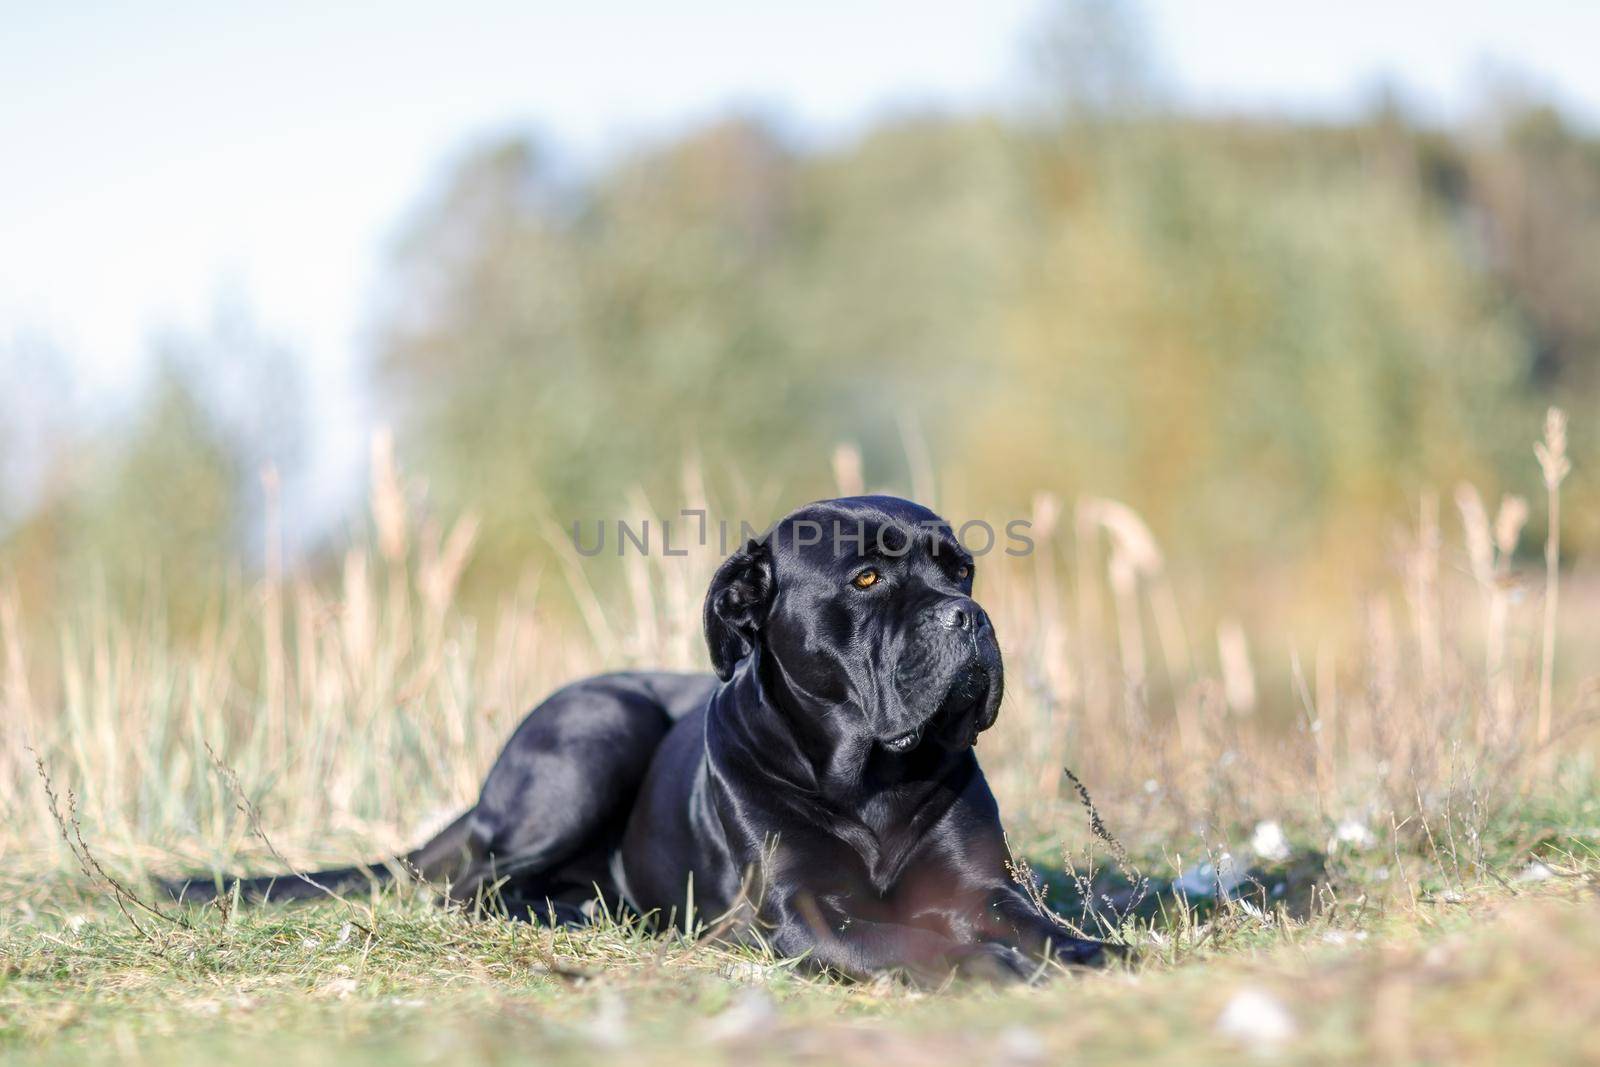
[{"x": 736, "y": 606}]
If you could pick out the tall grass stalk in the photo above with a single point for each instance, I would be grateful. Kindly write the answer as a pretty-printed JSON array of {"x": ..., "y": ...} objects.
[
  {"x": 1554, "y": 465},
  {"x": 1490, "y": 551}
]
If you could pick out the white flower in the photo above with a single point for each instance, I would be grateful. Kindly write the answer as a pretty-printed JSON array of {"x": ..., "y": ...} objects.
[
  {"x": 340, "y": 987},
  {"x": 1340, "y": 937},
  {"x": 751, "y": 1015},
  {"x": 747, "y": 971},
  {"x": 1536, "y": 872},
  {"x": 1352, "y": 832},
  {"x": 608, "y": 1027},
  {"x": 1269, "y": 843},
  {"x": 1256, "y": 1018},
  {"x": 1218, "y": 879},
  {"x": 1018, "y": 1044}
]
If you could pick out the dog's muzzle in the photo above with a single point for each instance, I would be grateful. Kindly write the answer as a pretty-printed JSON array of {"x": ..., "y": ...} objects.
[{"x": 969, "y": 701}]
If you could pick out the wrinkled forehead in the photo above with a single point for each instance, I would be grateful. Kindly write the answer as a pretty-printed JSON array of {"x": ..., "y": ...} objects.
[{"x": 846, "y": 533}]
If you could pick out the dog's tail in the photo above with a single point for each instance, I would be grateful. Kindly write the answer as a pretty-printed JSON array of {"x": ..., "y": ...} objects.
[{"x": 449, "y": 852}]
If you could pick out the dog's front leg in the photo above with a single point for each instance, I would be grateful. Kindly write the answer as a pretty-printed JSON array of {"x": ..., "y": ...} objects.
[
  {"x": 818, "y": 928},
  {"x": 1013, "y": 918}
]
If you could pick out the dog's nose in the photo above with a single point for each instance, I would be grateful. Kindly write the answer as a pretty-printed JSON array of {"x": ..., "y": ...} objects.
[{"x": 959, "y": 615}]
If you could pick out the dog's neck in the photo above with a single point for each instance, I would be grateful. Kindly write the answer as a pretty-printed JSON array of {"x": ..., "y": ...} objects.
[
  {"x": 878, "y": 803},
  {"x": 796, "y": 736},
  {"x": 836, "y": 758}
]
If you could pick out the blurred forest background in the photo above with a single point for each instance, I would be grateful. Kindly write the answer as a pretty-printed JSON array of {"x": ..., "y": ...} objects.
[{"x": 1267, "y": 336}]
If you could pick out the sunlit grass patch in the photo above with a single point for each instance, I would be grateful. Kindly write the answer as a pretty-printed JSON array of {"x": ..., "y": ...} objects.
[{"x": 1467, "y": 979}]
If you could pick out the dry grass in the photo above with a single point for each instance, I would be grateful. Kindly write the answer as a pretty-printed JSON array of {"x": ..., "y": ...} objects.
[{"x": 1405, "y": 801}]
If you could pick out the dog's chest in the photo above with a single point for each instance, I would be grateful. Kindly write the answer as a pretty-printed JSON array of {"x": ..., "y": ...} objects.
[{"x": 884, "y": 840}]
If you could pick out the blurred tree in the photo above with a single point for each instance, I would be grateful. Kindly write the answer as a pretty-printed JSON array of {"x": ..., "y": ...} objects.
[
  {"x": 158, "y": 513},
  {"x": 562, "y": 347},
  {"x": 1092, "y": 59},
  {"x": 714, "y": 296},
  {"x": 1268, "y": 337},
  {"x": 1251, "y": 334},
  {"x": 1535, "y": 187},
  {"x": 155, "y": 510}
]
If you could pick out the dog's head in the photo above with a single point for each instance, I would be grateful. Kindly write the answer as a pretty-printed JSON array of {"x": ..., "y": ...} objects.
[{"x": 862, "y": 610}]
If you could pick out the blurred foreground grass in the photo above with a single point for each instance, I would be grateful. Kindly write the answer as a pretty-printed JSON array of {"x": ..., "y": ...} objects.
[{"x": 1504, "y": 974}]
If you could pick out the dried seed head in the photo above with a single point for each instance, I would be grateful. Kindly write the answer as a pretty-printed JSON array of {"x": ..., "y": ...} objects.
[
  {"x": 847, "y": 470},
  {"x": 1552, "y": 451},
  {"x": 1508, "y": 524},
  {"x": 440, "y": 570},
  {"x": 388, "y": 499},
  {"x": 1238, "y": 680},
  {"x": 1131, "y": 538},
  {"x": 1475, "y": 522},
  {"x": 1046, "y": 514}
]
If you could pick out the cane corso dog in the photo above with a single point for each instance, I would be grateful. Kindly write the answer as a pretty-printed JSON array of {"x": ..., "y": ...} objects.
[{"x": 821, "y": 787}]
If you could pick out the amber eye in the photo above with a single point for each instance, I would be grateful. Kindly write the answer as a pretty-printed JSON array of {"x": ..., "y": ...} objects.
[
  {"x": 865, "y": 580},
  {"x": 964, "y": 572}
]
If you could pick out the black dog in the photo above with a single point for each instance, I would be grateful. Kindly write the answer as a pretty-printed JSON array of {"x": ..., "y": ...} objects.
[{"x": 822, "y": 785}]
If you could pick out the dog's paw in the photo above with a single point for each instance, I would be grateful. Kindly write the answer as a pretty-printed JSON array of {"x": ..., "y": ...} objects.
[
  {"x": 1077, "y": 952},
  {"x": 994, "y": 964}
]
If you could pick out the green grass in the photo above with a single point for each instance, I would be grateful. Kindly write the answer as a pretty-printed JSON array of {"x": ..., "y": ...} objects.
[{"x": 1390, "y": 960}]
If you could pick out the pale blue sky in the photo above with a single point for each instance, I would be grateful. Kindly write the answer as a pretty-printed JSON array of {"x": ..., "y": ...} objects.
[{"x": 156, "y": 156}]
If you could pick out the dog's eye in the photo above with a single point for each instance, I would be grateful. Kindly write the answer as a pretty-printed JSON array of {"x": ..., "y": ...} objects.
[
  {"x": 963, "y": 572},
  {"x": 865, "y": 580}
]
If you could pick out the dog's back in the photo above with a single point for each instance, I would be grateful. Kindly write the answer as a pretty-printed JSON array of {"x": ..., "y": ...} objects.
[{"x": 550, "y": 811}]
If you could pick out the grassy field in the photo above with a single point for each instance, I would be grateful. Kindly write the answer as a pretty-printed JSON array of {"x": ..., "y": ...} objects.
[
  {"x": 1384, "y": 850},
  {"x": 1489, "y": 976}
]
